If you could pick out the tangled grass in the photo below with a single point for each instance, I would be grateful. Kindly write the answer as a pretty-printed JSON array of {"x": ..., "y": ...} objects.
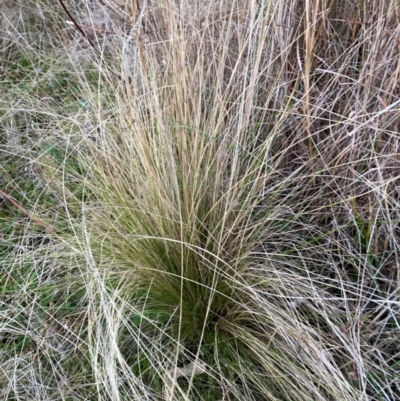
[{"x": 200, "y": 200}]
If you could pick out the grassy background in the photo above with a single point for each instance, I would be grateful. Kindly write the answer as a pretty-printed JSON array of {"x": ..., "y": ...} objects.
[{"x": 199, "y": 201}]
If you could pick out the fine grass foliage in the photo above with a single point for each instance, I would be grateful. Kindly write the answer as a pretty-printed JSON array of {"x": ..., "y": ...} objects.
[{"x": 199, "y": 200}]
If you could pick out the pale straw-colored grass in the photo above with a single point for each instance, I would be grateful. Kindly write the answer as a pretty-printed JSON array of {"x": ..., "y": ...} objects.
[{"x": 215, "y": 207}]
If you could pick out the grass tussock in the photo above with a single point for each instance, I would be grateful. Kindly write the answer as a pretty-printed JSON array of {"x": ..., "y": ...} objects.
[{"x": 200, "y": 200}]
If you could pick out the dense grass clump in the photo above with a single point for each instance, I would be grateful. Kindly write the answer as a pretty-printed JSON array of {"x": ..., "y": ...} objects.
[{"x": 200, "y": 200}]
